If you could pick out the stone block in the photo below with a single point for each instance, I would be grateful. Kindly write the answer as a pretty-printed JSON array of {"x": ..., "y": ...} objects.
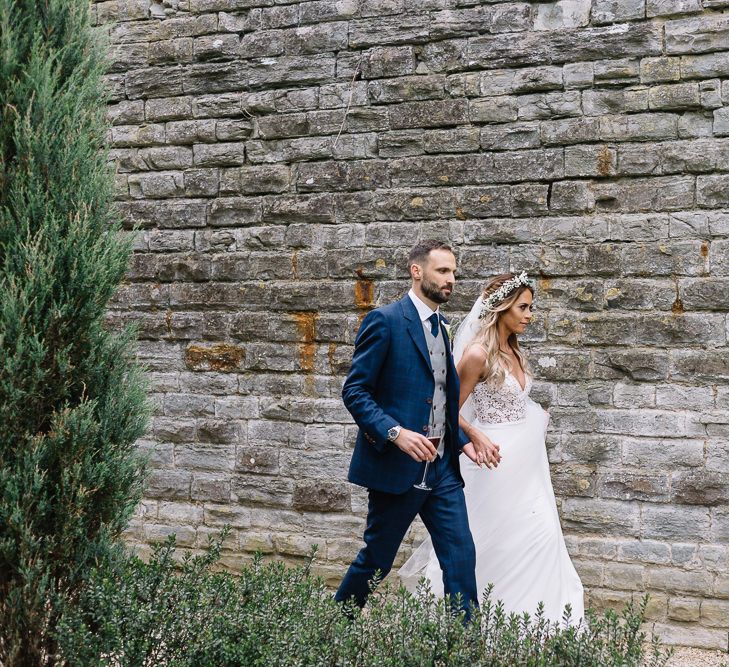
[
  {"x": 168, "y": 484},
  {"x": 690, "y": 635},
  {"x": 578, "y": 75},
  {"x": 644, "y": 551},
  {"x": 617, "y": 11},
  {"x": 511, "y": 136},
  {"x": 705, "y": 66},
  {"x": 562, "y": 14},
  {"x": 428, "y": 114},
  {"x": 697, "y": 35},
  {"x": 514, "y": 166},
  {"x": 219, "y": 155},
  {"x": 386, "y": 61},
  {"x": 672, "y": 7},
  {"x": 636, "y": 364},
  {"x": 321, "y": 496},
  {"x": 329, "y": 36},
  {"x": 662, "y": 68},
  {"x": 571, "y": 197},
  {"x": 700, "y": 488},
  {"x": 411, "y": 88},
  {"x": 549, "y": 105},
  {"x": 675, "y": 96},
  {"x": 573, "y": 481},
  {"x": 493, "y": 109},
  {"x": 625, "y": 576},
  {"x": 601, "y": 102},
  {"x": 714, "y": 613},
  {"x": 569, "y": 131},
  {"x": 666, "y": 523},
  {"x": 712, "y": 191},
  {"x": 639, "y": 127},
  {"x": 721, "y": 122},
  {"x": 452, "y": 140},
  {"x": 296, "y": 70},
  {"x": 484, "y": 202},
  {"x": 594, "y": 160},
  {"x": 408, "y": 28},
  {"x": 684, "y": 609},
  {"x": 634, "y": 486},
  {"x": 605, "y": 517},
  {"x": 590, "y": 448}
]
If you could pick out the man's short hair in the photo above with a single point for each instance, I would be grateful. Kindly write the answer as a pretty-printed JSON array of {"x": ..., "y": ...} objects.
[{"x": 422, "y": 249}]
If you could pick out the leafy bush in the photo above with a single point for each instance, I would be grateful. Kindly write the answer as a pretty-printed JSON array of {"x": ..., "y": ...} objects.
[
  {"x": 138, "y": 614},
  {"x": 72, "y": 401}
]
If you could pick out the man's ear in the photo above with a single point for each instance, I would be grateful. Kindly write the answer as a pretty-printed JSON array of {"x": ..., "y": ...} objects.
[{"x": 416, "y": 271}]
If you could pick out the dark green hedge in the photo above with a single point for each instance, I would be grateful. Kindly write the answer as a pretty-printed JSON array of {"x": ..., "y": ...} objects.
[{"x": 158, "y": 613}]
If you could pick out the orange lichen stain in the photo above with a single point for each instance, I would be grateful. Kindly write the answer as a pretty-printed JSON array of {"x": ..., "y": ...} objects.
[
  {"x": 380, "y": 263},
  {"x": 306, "y": 325},
  {"x": 460, "y": 214},
  {"x": 221, "y": 357},
  {"x": 444, "y": 179},
  {"x": 330, "y": 355},
  {"x": 295, "y": 264},
  {"x": 677, "y": 307},
  {"x": 604, "y": 161},
  {"x": 705, "y": 249},
  {"x": 364, "y": 293},
  {"x": 485, "y": 199},
  {"x": 168, "y": 321},
  {"x": 545, "y": 284},
  {"x": 416, "y": 202}
]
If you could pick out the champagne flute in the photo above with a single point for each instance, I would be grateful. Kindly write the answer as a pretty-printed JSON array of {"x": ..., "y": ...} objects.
[{"x": 422, "y": 484}]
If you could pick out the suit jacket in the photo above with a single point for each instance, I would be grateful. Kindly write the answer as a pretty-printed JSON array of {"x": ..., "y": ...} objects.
[{"x": 391, "y": 382}]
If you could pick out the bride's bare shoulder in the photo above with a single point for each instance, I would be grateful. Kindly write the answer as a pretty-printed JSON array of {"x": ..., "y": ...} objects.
[{"x": 474, "y": 354}]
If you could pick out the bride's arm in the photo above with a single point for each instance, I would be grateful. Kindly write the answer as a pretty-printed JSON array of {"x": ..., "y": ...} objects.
[{"x": 469, "y": 372}]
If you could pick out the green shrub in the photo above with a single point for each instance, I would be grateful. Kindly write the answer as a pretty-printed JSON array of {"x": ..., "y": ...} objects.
[
  {"x": 269, "y": 614},
  {"x": 72, "y": 404}
]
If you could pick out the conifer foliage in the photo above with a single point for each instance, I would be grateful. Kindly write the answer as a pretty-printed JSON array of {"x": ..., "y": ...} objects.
[{"x": 72, "y": 400}]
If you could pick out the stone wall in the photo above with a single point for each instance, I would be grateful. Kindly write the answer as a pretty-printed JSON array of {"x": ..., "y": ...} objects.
[{"x": 280, "y": 159}]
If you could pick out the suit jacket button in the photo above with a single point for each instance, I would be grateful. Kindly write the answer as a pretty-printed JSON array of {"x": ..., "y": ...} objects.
[
  {"x": 425, "y": 428},
  {"x": 428, "y": 400}
]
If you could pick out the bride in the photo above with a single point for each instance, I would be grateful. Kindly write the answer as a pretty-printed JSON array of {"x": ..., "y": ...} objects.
[{"x": 511, "y": 507}]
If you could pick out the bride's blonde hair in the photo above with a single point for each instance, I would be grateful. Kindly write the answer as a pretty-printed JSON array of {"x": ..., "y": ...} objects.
[{"x": 488, "y": 335}]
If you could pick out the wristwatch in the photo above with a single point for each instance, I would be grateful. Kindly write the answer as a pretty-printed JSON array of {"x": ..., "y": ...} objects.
[{"x": 393, "y": 433}]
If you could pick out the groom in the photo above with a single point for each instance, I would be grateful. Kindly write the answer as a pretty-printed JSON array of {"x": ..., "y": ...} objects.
[{"x": 402, "y": 391}]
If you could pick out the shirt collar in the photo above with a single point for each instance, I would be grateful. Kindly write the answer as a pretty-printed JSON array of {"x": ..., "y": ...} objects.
[{"x": 424, "y": 310}]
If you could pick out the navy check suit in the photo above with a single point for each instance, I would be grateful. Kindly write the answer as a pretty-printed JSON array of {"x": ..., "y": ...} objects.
[{"x": 391, "y": 383}]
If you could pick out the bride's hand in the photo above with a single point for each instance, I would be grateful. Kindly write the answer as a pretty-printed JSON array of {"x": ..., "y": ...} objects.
[{"x": 486, "y": 451}]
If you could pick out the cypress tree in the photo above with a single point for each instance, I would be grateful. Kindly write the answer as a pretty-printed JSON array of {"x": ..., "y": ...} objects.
[{"x": 72, "y": 400}]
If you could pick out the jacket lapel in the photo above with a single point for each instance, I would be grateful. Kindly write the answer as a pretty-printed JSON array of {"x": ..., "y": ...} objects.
[{"x": 415, "y": 328}]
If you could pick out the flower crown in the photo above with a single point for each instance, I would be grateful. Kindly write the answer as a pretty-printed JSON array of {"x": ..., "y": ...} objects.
[{"x": 500, "y": 294}]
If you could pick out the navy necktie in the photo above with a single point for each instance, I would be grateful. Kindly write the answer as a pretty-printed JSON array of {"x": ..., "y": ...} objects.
[{"x": 434, "y": 324}]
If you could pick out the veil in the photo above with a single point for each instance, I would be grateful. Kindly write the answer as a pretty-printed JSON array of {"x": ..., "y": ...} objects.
[
  {"x": 466, "y": 332},
  {"x": 415, "y": 567}
]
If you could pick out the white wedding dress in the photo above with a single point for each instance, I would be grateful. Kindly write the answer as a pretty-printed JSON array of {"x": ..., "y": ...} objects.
[{"x": 512, "y": 512}]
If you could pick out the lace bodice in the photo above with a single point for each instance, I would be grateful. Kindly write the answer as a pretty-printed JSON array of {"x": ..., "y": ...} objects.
[{"x": 507, "y": 403}]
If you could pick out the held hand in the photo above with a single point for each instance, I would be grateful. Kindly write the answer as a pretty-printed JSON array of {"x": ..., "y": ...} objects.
[
  {"x": 415, "y": 445},
  {"x": 470, "y": 451},
  {"x": 485, "y": 451}
]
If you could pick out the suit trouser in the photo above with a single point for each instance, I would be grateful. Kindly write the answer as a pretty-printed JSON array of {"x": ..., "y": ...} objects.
[{"x": 443, "y": 511}]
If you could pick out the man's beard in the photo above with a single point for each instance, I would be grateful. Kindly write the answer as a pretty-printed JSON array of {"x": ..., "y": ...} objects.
[{"x": 430, "y": 289}]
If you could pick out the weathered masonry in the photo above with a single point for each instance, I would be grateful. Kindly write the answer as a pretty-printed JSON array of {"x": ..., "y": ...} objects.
[{"x": 280, "y": 159}]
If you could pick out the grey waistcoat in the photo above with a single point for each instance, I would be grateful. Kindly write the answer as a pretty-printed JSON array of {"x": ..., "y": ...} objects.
[{"x": 439, "y": 362}]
